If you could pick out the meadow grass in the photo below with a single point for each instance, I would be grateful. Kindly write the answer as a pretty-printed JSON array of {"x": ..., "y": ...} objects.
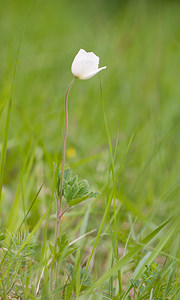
[{"x": 124, "y": 138}]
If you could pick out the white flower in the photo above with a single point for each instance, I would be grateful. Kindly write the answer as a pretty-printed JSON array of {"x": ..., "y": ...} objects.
[{"x": 85, "y": 65}]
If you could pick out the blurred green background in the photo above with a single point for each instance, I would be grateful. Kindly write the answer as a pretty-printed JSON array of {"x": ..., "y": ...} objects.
[{"x": 139, "y": 42}]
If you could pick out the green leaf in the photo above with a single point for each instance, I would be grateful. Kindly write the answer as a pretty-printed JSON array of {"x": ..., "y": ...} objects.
[
  {"x": 74, "y": 191},
  {"x": 52, "y": 249},
  {"x": 150, "y": 258},
  {"x": 68, "y": 291},
  {"x": 83, "y": 188},
  {"x": 79, "y": 200},
  {"x": 63, "y": 249},
  {"x": 87, "y": 278},
  {"x": 2, "y": 237},
  {"x": 107, "y": 207},
  {"x": 31, "y": 234},
  {"x": 127, "y": 258},
  {"x": 62, "y": 243},
  {"x": 67, "y": 175}
]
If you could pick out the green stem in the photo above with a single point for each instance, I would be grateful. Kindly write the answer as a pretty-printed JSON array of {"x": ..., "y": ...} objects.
[
  {"x": 59, "y": 201},
  {"x": 64, "y": 145}
]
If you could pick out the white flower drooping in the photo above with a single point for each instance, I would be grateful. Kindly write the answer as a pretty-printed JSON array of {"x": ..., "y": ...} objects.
[{"x": 85, "y": 65}]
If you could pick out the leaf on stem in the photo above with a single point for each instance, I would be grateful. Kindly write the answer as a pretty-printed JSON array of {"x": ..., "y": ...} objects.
[{"x": 74, "y": 191}]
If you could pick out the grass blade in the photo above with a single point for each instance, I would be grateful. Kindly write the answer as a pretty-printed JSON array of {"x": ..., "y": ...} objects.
[
  {"x": 126, "y": 259},
  {"x": 106, "y": 212}
]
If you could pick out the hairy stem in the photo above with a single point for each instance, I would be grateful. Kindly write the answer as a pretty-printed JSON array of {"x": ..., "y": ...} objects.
[{"x": 59, "y": 201}]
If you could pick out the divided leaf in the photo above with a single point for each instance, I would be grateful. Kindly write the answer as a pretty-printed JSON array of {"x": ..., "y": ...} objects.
[
  {"x": 74, "y": 191},
  {"x": 63, "y": 249}
]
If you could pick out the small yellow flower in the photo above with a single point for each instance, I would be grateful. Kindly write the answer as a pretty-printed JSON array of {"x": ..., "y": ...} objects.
[{"x": 71, "y": 152}]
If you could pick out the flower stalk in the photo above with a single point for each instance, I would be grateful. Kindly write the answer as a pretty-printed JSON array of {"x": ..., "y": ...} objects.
[{"x": 59, "y": 201}]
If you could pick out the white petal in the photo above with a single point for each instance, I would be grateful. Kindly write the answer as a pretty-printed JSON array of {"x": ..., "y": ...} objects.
[
  {"x": 78, "y": 62},
  {"x": 92, "y": 74},
  {"x": 85, "y": 65}
]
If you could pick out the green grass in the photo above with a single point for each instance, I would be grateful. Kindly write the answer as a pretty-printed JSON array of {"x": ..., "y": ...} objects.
[{"x": 124, "y": 138}]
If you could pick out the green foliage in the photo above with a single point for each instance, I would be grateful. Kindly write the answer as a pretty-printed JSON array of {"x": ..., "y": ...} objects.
[
  {"x": 74, "y": 191},
  {"x": 13, "y": 244},
  {"x": 20, "y": 269},
  {"x": 87, "y": 278},
  {"x": 148, "y": 278},
  {"x": 2, "y": 237},
  {"x": 63, "y": 248},
  {"x": 151, "y": 272}
]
